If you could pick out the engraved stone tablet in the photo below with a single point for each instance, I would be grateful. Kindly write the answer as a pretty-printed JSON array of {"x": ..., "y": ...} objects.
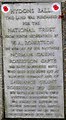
[{"x": 32, "y": 60}]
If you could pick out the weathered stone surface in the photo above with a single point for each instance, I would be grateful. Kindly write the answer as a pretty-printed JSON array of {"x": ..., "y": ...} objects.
[
  {"x": 33, "y": 0},
  {"x": 64, "y": 48},
  {"x": 0, "y": 70},
  {"x": 42, "y": 46}
]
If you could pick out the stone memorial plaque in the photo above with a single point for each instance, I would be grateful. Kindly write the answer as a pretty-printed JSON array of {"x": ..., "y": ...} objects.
[{"x": 32, "y": 60}]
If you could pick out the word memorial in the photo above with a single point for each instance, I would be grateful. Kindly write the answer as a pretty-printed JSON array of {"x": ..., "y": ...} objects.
[{"x": 32, "y": 60}]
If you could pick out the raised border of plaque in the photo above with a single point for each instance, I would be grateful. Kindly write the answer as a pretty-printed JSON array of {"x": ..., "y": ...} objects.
[{"x": 11, "y": 118}]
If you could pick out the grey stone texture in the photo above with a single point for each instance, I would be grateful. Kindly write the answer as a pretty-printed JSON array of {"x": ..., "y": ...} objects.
[
  {"x": 64, "y": 51},
  {"x": 32, "y": 0},
  {"x": 0, "y": 71}
]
